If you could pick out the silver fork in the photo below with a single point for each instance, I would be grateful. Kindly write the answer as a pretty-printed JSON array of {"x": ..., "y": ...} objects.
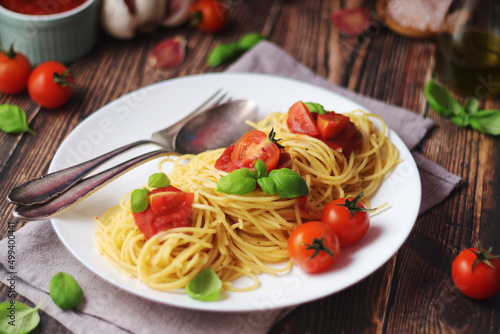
[{"x": 46, "y": 187}]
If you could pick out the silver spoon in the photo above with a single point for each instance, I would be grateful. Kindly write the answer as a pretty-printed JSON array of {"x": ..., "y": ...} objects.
[
  {"x": 218, "y": 127},
  {"x": 48, "y": 186}
]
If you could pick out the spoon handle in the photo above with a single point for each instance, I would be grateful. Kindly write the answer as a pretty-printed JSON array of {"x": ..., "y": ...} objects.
[
  {"x": 48, "y": 186},
  {"x": 82, "y": 189}
]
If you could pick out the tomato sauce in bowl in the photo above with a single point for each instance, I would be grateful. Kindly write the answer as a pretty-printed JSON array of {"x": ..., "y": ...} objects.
[{"x": 40, "y": 7}]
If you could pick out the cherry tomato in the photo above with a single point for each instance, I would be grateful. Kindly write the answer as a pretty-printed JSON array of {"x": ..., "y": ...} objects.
[
  {"x": 255, "y": 145},
  {"x": 472, "y": 274},
  {"x": 15, "y": 69},
  {"x": 50, "y": 84},
  {"x": 209, "y": 16},
  {"x": 301, "y": 120},
  {"x": 349, "y": 228},
  {"x": 313, "y": 246}
]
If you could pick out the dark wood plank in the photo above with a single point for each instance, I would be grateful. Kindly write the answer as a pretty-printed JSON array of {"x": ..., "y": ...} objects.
[{"x": 412, "y": 292}]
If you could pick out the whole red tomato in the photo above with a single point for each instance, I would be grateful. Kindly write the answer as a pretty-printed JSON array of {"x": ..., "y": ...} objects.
[
  {"x": 209, "y": 16},
  {"x": 476, "y": 273},
  {"x": 50, "y": 84},
  {"x": 15, "y": 69},
  {"x": 313, "y": 246},
  {"x": 349, "y": 218}
]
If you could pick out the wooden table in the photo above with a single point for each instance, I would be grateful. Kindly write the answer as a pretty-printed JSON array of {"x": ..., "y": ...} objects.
[{"x": 412, "y": 292}]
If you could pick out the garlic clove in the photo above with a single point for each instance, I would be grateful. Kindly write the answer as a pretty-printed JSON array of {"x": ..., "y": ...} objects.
[
  {"x": 117, "y": 19},
  {"x": 168, "y": 53},
  {"x": 177, "y": 12}
]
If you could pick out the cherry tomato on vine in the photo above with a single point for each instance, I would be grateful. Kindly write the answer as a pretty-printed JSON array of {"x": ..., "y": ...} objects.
[
  {"x": 50, "y": 84},
  {"x": 348, "y": 218},
  {"x": 15, "y": 69},
  {"x": 209, "y": 16},
  {"x": 313, "y": 246},
  {"x": 256, "y": 145},
  {"x": 476, "y": 273}
]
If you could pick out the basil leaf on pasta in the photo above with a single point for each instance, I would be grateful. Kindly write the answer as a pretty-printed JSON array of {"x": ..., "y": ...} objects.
[
  {"x": 315, "y": 107},
  {"x": 206, "y": 286},
  {"x": 267, "y": 185},
  {"x": 158, "y": 180},
  {"x": 238, "y": 182},
  {"x": 139, "y": 200},
  {"x": 260, "y": 169},
  {"x": 288, "y": 183}
]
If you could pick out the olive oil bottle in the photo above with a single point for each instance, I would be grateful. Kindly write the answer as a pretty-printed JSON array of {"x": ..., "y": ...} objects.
[{"x": 467, "y": 58}]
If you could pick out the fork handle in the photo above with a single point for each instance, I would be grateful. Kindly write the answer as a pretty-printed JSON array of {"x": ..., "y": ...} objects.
[
  {"x": 82, "y": 189},
  {"x": 48, "y": 186}
]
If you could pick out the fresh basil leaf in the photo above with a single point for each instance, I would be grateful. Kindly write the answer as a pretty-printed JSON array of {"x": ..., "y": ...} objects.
[
  {"x": 471, "y": 105},
  {"x": 206, "y": 286},
  {"x": 238, "y": 182},
  {"x": 288, "y": 183},
  {"x": 223, "y": 53},
  {"x": 267, "y": 185},
  {"x": 158, "y": 180},
  {"x": 17, "y": 317},
  {"x": 65, "y": 291},
  {"x": 460, "y": 120},
  {"x": 247, "y": 41},
  {"x": 139, "y": 200},
  {"x": 260, "y": 169},
  {"x": 441, "y": 101},
  {"x": 13, "y": 119},
  {"x": 315, "y": 107},
  {"x": 486, "y": 121}
]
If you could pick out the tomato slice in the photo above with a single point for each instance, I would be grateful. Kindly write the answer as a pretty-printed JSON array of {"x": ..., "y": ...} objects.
[
  {"x": 301, "y": 120},
  {"x": 224, "y": 162},
  {"x": 169, "y": 207},
  {"x": 331, "y": 124},
  {"x": 252, "y": 146}
]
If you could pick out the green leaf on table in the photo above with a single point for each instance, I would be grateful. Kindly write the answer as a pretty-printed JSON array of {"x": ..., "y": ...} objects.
[
  {"x": 222, "y": 53},
  {"x": 17, "y": 317},
  {"x": 471, "y": 105},
  {"x": 158, "y": 180},
  {"x": 239, "y": 182},
  {"x": 139, "y": 200},
  {"x": 441, "y": 101},
  {"x": 461, "y": 120},
  {"x": 13, "y": 119},
  {"x": 486, "y": 121},
  {"x": 206, "y": 286},
  {"x": 288, "y": 183},
  {"x": 247, "y": 41},
  {"x": 65, "y": 291}
]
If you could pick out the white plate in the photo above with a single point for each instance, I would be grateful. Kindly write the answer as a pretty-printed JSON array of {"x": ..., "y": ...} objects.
[{"x": 136, "y": 115}]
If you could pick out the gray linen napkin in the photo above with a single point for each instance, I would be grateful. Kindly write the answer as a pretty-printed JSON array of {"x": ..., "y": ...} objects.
[{"x": 107, "y": 309}]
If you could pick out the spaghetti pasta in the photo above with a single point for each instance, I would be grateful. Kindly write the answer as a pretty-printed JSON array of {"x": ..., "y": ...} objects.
[{"x": 243, "y": 236}]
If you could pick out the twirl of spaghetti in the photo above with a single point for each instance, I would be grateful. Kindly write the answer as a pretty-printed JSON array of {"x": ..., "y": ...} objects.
[{"x": 243, "y": 235}]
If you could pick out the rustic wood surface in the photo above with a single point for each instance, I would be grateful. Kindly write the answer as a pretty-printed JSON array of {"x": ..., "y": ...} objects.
[{"x": 411, "y": 293}]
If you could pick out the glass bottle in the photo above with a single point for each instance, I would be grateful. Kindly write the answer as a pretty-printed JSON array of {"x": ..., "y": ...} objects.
[{"x": 468, "y": 48}]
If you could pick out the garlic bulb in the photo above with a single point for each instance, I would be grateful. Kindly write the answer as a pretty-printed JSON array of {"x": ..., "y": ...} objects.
[{"x": 123, "y": 18}]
